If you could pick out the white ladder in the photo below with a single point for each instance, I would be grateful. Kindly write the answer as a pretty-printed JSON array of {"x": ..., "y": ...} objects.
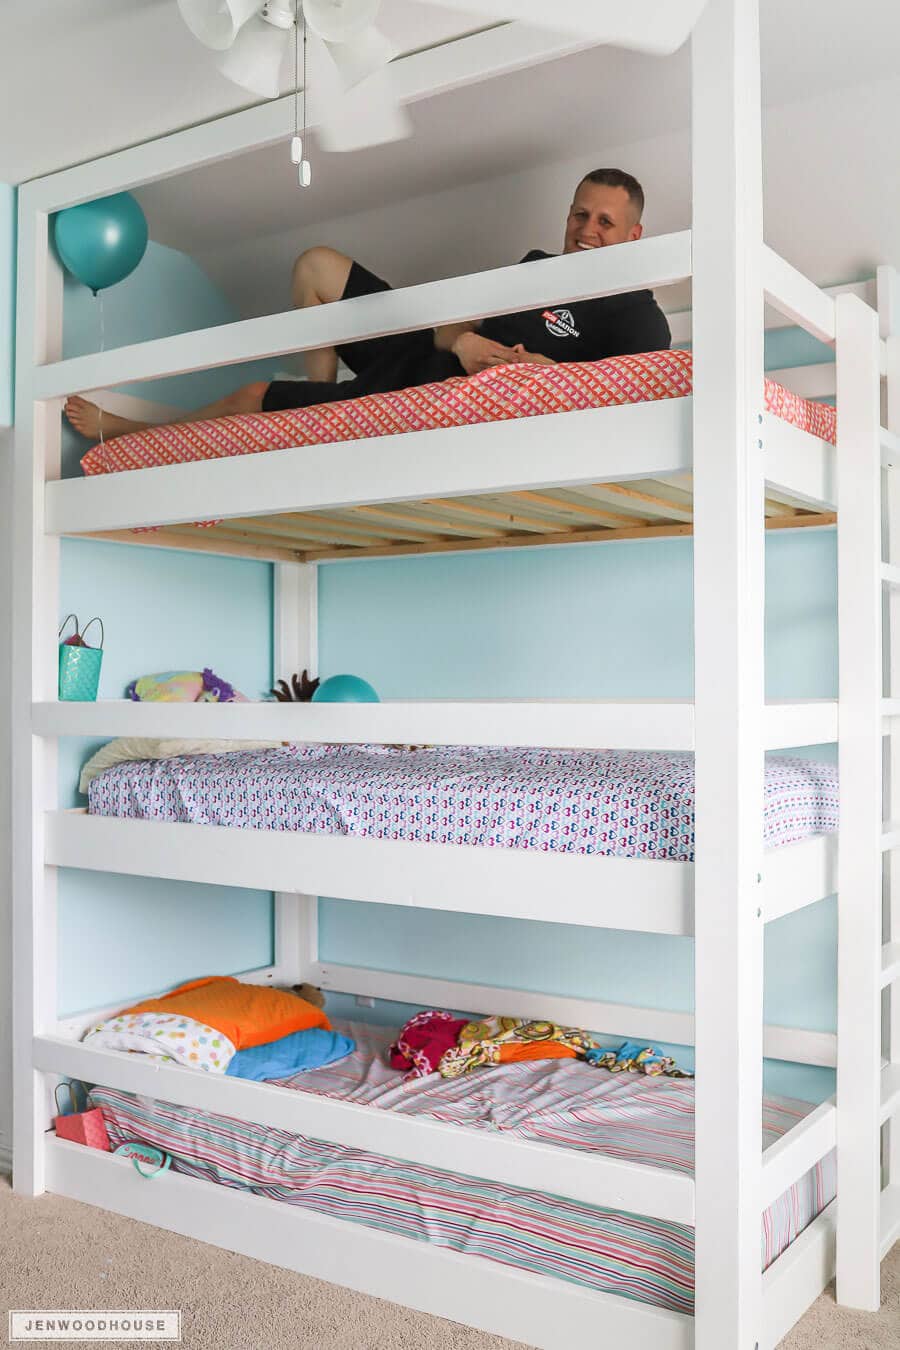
[
  {"x": 868, "y": 494},
  {"x": 889, "y": 319}
]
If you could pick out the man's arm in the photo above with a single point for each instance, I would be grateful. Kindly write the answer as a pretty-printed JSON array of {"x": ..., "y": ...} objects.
[
  {"x": 472, "y": 351},
  {"x": 531, "y": 358},
  {"x": 445, "y": 337}
]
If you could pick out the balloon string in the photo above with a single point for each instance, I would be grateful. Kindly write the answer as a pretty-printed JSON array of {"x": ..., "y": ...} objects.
[{"x": 102, "y": 348}]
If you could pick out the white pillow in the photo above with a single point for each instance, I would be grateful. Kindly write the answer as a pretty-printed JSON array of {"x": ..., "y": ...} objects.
[{"x": 144, "y": 747}]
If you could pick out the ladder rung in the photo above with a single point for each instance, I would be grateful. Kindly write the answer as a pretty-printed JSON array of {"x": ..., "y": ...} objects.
[
  {"x": 890, "y": 1091},
  {"x": 890, "y": 835},
  {"x": 890, "y": 450},
  {"x": 890, "y": 963},
  {"x": 890, "y": 573}
]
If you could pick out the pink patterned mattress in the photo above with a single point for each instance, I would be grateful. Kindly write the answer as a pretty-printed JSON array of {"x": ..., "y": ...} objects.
[
  {"x": 610, "y": 803},
  {"x": 494, "y": 395},
  {"x": 630, "y": 1118}
]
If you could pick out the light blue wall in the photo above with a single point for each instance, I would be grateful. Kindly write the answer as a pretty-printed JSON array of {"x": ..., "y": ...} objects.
[
  {"x": 122, "y": 936},
  {"x": 590, "y": 621},
  {"x": 7, "y": 299}
]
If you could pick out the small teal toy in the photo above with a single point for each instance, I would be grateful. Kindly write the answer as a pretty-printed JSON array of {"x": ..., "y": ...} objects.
[
  {"x": 154, "y": 1158},
  {"x": 101, "y": 242},
  {"x": 345, "y": 689}
]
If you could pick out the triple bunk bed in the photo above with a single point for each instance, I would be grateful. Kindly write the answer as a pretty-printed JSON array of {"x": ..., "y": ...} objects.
[{"x": 750, "y": 467}]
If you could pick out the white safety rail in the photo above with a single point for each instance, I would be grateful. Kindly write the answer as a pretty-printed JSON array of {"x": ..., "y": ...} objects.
[{"x": 723, "y": 900}]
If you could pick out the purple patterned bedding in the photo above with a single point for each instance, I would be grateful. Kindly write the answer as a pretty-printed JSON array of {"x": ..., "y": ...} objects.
[
  {"x": 625, "y": 804},
  {"x": 630, "y": 1118}
]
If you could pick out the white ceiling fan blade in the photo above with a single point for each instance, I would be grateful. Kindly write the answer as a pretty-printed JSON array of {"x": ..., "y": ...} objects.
[
  {"x": 216, "y": 23},
  {"x": 659, "y": 26},
  {"x": 359, "y": 57},
  {"x": 255, "y": 58},
  {"x": 340, "y": 20},
  {"x": 368, "y": 114}
]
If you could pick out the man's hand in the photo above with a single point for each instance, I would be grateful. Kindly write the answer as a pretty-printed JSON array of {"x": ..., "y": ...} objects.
[
  {"x": 532, "y": 358},
  {"x": 474, "y": 353}
]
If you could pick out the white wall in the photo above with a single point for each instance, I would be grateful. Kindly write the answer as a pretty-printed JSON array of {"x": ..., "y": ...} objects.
[{"x": 835, "y": 223}]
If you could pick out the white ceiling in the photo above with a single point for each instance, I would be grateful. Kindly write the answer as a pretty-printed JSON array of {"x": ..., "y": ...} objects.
[{"x": 80, "y": 79}]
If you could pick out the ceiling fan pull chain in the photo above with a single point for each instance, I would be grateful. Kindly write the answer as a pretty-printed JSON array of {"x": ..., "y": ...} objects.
[
  {"x": 304, "y": 171},
  {"x": 297, "y": 140}
]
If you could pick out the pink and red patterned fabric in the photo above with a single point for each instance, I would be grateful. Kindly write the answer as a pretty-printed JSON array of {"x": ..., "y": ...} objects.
[{"x": 494, "y": 395}]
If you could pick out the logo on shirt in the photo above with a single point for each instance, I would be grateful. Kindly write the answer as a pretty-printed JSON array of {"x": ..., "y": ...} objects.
[{"x": 560, "y": 323}]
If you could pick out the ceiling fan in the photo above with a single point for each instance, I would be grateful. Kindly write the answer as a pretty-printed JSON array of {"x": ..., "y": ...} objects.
[{"x": 253, "y": 37}]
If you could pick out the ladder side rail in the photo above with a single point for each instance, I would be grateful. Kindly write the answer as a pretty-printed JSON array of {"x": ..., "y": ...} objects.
[
  {"x": 295, "y": 633},
  {"x": 860, "y": 768},
  {"x": 729, "y": 685},
  {"x": 34, "y": 677},
  {"x": 889, "y": 317}
]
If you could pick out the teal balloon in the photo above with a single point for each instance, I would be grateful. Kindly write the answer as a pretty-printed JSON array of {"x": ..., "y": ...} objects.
[
  {"x": 345, "y": 689},
  {"x": 101, "y": 242}
]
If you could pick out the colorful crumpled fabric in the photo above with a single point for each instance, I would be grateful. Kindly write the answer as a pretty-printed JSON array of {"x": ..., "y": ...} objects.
[
  {"x": 423, "y": 1040},
  {"x": 632, "y": 1057},
  {"x": 503, "y": 1040}
]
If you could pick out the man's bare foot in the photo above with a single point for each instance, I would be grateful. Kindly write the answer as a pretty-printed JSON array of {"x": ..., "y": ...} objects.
[{"x": 85, "y": 418}]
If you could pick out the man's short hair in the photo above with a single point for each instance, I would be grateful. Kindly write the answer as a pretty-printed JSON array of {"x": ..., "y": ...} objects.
[{"x": 618, "y": 178}]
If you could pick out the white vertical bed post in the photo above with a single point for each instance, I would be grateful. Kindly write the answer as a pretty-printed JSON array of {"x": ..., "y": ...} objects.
[
  {"x": 889, "y": 323},
  {"x": 296, "y": 648},
  {"x": 860, "y": 768},
  {"x": 34, "y": 676},
  {"x": 728, "y": 679}
]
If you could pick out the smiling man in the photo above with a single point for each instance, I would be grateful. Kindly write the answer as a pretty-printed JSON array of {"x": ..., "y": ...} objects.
[{"x": 606, "y": 210}]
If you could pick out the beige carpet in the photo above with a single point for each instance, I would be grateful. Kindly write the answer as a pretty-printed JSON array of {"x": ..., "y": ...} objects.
[{"x": 57, "y": 1253}]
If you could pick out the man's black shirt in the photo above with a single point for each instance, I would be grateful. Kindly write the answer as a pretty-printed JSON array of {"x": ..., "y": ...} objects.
[{"x": 588, "y": 330}]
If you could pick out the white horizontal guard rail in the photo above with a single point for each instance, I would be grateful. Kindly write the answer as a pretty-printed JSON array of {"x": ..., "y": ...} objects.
[
  {"x": 588, "y": 1178},
  {"x": 623, "y": 443},
  {"x": 627, "y": 893},
  {"x": 792, "y": 1156},
  {"x": 497, "y": 1298},
  {"x": 799, "y": 299},
  {"x": 658, "y": 261},
  {"x": 574, "y": 723}
]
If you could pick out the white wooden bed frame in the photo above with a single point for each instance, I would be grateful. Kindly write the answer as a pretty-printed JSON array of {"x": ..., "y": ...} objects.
[{"x": 724, "y": 899}]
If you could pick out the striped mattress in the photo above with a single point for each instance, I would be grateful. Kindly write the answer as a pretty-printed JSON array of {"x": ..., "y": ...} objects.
[
  {"x": 627, "y": 1117},
  {"x": 494, "y": 395},
  {"x": 624, "y": 804}
]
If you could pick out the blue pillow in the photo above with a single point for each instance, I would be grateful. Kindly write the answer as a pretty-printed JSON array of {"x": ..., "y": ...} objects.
[{"x": 309, "y": 1049}]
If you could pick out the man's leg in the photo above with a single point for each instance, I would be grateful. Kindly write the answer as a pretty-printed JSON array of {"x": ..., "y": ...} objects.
[
  {"x": 86, "y": 417},
  {"x": 319, "y": 278}
]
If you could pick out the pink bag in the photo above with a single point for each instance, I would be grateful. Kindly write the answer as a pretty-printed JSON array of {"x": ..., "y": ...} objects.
[{"x": 81, "y": 1127}]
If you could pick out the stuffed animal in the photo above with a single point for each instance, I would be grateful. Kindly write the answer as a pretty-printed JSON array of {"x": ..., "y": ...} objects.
[
  {"x": 308, "y": 992},
  {"x": 183, "y": 686}
]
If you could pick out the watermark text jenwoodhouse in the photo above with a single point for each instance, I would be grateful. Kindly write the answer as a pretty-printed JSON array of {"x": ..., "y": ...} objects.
[{"x": 95, "y": 1325}]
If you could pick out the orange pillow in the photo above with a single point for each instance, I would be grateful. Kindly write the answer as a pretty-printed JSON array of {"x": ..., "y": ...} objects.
[
  {"x": 248, "y": 1014},
  {"x": 514, "y": 1051}
]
